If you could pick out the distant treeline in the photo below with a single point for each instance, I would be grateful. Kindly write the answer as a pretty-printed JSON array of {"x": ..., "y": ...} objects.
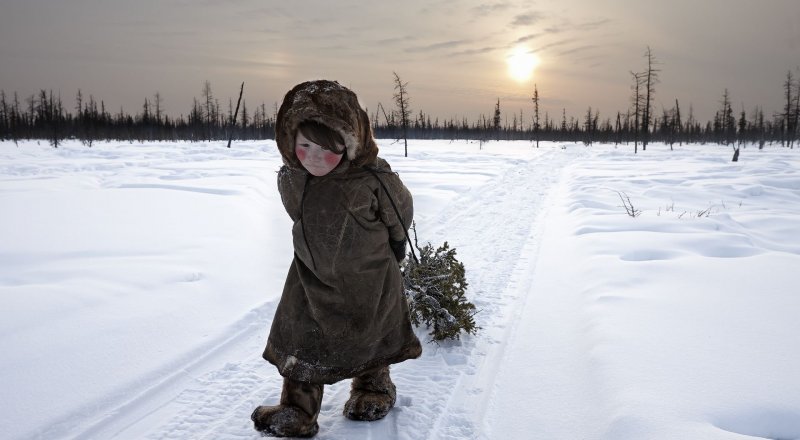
[
  {"x": 668, "y": 128},
  {"x": 45, "y": 116}
]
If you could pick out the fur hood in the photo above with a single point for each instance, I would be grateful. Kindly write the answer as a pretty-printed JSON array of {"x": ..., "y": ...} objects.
[{"x": 333, "y": 105}]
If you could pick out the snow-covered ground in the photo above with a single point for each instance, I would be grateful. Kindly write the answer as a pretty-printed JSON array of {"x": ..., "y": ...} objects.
[{"x": 138, "y": 282}]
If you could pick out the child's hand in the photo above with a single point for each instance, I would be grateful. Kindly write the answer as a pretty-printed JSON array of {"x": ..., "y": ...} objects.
[{"x": 398, "y": 249}]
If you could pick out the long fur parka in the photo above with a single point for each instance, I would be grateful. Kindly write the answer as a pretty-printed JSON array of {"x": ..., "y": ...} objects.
[{"x": 343, "y": 311}]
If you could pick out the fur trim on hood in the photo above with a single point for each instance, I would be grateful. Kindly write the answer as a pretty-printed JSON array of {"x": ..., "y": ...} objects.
[{"x": 333, "y": 105}]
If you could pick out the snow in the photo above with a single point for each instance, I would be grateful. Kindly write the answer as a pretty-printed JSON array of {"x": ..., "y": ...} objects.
[{"x": 138, "y": 282}]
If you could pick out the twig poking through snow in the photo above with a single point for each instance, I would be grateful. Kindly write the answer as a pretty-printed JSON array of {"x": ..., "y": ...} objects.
[{"x": 628, "y": 205}]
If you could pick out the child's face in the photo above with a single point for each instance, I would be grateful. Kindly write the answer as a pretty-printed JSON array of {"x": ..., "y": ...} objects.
[{"x": 318, "y": 160}]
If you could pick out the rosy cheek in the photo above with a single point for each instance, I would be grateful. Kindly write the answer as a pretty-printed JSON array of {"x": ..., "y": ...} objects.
[
  {"x": 301, "y": 153},
  {"x": 332, "y": 159}
]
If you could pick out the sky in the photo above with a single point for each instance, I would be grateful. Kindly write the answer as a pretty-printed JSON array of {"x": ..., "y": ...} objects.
[{"x": 453, "y": 54}]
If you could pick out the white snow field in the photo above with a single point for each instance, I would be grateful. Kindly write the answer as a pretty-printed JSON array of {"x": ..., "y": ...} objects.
[{"x": 138, "y": 283}]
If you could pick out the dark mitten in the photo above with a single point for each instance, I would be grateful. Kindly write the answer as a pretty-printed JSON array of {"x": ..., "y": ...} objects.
[{"x": 398, "y": 249}]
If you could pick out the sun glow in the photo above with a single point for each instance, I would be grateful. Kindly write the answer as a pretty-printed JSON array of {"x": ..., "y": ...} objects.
[{"x": 521, "y": 64}]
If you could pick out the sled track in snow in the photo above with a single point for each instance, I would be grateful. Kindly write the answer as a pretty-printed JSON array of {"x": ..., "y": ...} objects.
[
  {"x": 183, "y": 387},
  {"x": 501, "y": 225},
  {"x": 443, "y": 395}
]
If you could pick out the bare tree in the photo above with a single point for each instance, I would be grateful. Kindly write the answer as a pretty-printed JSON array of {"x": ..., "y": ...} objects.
[
  {"x": 245, "y": 115},
  {"x": 16, "y": 115},
  {"x": 232, "y": 121},
  {"x": 691, "y": 124},
  {"x": 146, "y": 112},
  {"x": 79, "y": 119},
  {"x": 788, "y": 87},
  {"x": 588, "y": 127},
  {"x": 727, "y": 119},
  {"x": 650, "y": 81},
  {"x": 636, "y": 101},
  {"x": 157, "y": 103},
  {"x": 210, "y": 108},
  {"x": 791, "y": 111},
  {"x": 5, "y": 127},
  {"x": 389, "y": 120},
  {"x": 402, "y": 101},
  {"x": 726, "y": 124},
  {"x": 58, "y": 115},
  {"x": 677, "y": 123},
  {"x": 79, "y": 105},
  {"x": 496, "y": 120},
  {"x": 535, "y": 114},
  {"x": 758, "y": 121},
  {"x": 50, "y": 111},
  {"x": 793, "y": 134},
  {"x": 667, "y": 126},
  {"x": 742, "y": 134}
]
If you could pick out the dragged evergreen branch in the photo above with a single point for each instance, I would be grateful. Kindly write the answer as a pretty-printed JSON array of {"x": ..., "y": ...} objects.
[{"x": 436, "y": 287}]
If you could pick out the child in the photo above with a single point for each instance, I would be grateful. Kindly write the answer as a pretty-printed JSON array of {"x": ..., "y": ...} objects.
[{"x": 343, "y": 313}]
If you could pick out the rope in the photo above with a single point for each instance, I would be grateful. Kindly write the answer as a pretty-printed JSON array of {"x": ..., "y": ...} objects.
[{"x": 396, "y": 211}]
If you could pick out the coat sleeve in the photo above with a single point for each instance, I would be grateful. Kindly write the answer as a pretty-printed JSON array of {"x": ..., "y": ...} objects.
[
  {"x": 291, "y": 184},
  {"x": 402, "y": 199}
]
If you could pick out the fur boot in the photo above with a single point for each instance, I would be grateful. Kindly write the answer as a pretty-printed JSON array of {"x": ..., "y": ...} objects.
[
  {"x": 296, "y": 416},
  {"x": 371, "y": 397}
]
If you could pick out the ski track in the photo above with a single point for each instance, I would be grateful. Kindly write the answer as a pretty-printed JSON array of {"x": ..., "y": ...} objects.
[
  {"x": 446, "y": 394},
  {"x": 500, "y": 270}
]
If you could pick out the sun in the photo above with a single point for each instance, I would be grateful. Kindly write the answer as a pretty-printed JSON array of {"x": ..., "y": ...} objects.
[{"x": 521, "y": 64}]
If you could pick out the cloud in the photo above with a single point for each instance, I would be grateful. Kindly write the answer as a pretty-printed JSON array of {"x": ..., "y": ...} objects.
[
  {"x": 230, "y": 62},
  {"x": 472, "y": 51},
  {"x": 527, "y": 19},
  {"x": 525, "y": 38},
  {"x": 554, "y": 44},
  {"x": 592, "y": 25},
  {"x": 578, "y": 49},
  {"x": 387, "y": 41},
  {"x": 488, "y": 8},
  {"x": 529, "y": 37},
  {"x": 192, "y": 3},
  {"x": 260, "y": 13},
  {"x": 436, "y": 7},
  {"x": 437, "y": 46}
]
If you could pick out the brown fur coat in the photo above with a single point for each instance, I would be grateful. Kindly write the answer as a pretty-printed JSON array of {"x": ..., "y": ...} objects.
[{"x": 343, "y": 310}]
